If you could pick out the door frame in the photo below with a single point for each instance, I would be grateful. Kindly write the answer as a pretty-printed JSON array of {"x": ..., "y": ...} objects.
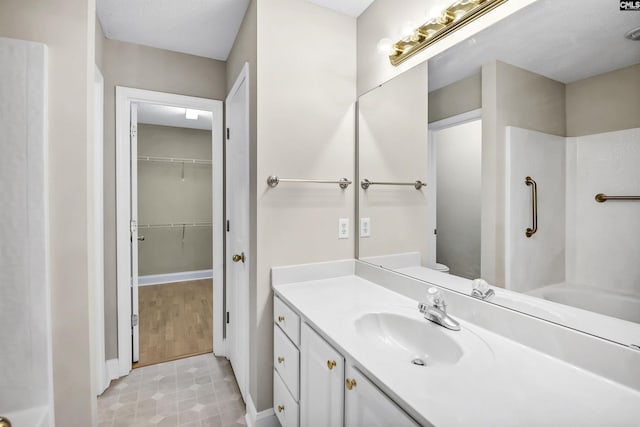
[
  {"x": 125, "y": 96},
  {"x": 433, "y": 127}
]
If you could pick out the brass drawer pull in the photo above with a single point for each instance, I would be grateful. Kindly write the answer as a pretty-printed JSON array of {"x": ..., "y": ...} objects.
[
  {"x": 331, "y": 363},
  {"x": 350, "y": 383},
  {"x": 280, "y": 359},
  {"x": 280, "y": 408},
  {"x": 280, "y": 318}
]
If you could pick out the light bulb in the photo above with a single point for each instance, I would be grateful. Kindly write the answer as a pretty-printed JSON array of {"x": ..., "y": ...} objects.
[
  {"x": 407, "y": 29},
  {"x": 385, "y": 46}
]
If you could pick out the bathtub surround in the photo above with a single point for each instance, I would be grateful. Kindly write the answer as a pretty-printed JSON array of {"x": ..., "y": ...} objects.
[{"x": 25, "y": 304}]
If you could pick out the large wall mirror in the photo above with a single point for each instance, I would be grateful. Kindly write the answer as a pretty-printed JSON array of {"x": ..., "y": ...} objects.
[{"x": 515, "y": 132}]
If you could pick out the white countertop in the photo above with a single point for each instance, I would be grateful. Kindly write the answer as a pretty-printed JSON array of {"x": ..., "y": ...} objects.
[{"x": 497, "y": 382}]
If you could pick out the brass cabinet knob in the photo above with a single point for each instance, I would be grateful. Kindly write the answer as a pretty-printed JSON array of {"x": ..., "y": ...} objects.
[
  {"x": 280, "y": 359},
  {"x": 280, "y": 319},
  {"x": 280, "y": 408},
  {"x": 350, "y": 383},
  {"x": 4, "y": 422},
  {"x": 238, "y": 258},
  {"x": 331, "y": 364}
]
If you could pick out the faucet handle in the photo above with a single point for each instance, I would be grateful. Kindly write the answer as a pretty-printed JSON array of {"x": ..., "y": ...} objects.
[
  {"x": 434, "y": 297},
  {"x": 481, "y": 285}
]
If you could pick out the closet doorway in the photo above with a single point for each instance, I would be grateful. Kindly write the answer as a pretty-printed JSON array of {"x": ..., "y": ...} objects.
[
  {"x": 169, "y": 227},
  {"x": 174, "y": 205}
]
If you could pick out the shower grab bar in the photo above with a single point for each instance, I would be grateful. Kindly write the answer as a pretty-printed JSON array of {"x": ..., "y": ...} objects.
[
  {"x": 534, "y": 206},
  {"x": 366, "y": 183},
  {"x": 601, "y": 198},
  {"x": 274, "y": 180}
]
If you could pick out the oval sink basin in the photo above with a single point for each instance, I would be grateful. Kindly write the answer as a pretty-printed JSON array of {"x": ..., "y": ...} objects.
[{"x": 411, "y": 338}]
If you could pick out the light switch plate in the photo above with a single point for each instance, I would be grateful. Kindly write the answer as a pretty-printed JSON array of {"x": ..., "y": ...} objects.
[
  {"x": 343, "y": 228},
  {"x": 365, "y": 227}
]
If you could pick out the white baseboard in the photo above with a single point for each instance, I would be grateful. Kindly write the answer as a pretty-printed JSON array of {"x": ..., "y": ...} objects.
[
  {"x": 183, "y": 276},
  {"x": 266, "y": 418}
]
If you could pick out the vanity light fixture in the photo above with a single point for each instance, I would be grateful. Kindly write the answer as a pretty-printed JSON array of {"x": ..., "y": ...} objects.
[{"x": 452, "y": 18}]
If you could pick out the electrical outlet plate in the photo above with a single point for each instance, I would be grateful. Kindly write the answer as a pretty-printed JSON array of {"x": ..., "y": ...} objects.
[
  {"x": 365, "y": 227},
  {"x": 343, "y": 228}
]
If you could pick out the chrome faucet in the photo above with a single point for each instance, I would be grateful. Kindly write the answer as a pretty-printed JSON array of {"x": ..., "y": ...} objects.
[
  {"x": 481, "y": 290},
  {"x": 435, "y": 310}
]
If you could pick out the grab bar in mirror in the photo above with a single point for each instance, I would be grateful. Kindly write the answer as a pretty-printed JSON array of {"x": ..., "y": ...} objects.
[
  {"x": 534, "y": 206},
  {"x": 366, "y": 183},
  {"x": 601, "y": 198},
  {"x": 273, "y": 181}
]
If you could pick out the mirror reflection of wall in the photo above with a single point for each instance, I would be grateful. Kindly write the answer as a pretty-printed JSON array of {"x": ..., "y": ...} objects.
[{"x": 559, "y": 103}]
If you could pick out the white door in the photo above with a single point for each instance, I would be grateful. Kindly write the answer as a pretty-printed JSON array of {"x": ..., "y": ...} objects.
[
  {"x": 321, "y": 379},
  {"x": 237, "y": 242},
  {"x": 367, "y": 406},
  {"x": 134, "y": 232}
]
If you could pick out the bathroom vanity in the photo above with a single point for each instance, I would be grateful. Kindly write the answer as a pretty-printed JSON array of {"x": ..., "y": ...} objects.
[{"x": 351, "y": 348}]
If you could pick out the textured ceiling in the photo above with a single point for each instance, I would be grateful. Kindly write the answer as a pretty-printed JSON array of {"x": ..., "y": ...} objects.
[
  {"x": 197, "y": 27},
  {"x": 564, "y": 40}
]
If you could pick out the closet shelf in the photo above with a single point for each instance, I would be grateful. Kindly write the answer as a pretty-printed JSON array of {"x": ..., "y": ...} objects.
[
  {"x": 173, "y": 160},
  {"x": 176, "y": 225}
]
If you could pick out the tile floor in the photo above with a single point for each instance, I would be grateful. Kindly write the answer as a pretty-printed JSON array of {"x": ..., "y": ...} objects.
[{"x": 198, "y": 391}]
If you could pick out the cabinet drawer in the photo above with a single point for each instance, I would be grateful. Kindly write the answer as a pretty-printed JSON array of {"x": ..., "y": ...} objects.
[
  {"x": 283, "y": 404},
  {"x": 286, "y": 360},
  {"x": 287, "y": 319}
]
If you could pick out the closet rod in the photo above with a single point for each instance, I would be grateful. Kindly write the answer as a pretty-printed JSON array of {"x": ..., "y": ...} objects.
[
  {"x": 173, "y": 160},
  {"x": 177, "y": 224}
]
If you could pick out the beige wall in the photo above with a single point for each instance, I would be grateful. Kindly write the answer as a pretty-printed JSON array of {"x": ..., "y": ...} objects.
[
  {"x": 456, "y": 98},
  {"x": 392, "y": 146},
  {"x": 386, "y": 18},
  {"x": 67, "y": 28},
  {"x": 511, "y": 96},
  {"x": 306, "y": 96},
  {"x": 604, "y": 103},
  {"x": 170, "y": 193},
  {"x": 142, "y": 67}
]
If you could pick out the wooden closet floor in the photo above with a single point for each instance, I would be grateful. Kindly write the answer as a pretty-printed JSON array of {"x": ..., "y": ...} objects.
[{"x": 175, "y": 321}]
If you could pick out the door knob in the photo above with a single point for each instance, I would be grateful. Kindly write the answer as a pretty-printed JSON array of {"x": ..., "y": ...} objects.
[
  {"x": 238, "y": 258},
  {"x": 141, "y": 238},
  {"x": 4, "y": 422}
]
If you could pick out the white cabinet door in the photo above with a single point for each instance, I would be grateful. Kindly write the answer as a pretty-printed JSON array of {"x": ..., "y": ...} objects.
[
  {"x": 367, "y": 406},
  {"x": 322, "y": 377}
]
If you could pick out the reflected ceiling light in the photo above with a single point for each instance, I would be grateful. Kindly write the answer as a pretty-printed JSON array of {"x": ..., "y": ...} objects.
[
  {"x": 449, "y": 20},
  {"x": 190, "y": 114}
]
